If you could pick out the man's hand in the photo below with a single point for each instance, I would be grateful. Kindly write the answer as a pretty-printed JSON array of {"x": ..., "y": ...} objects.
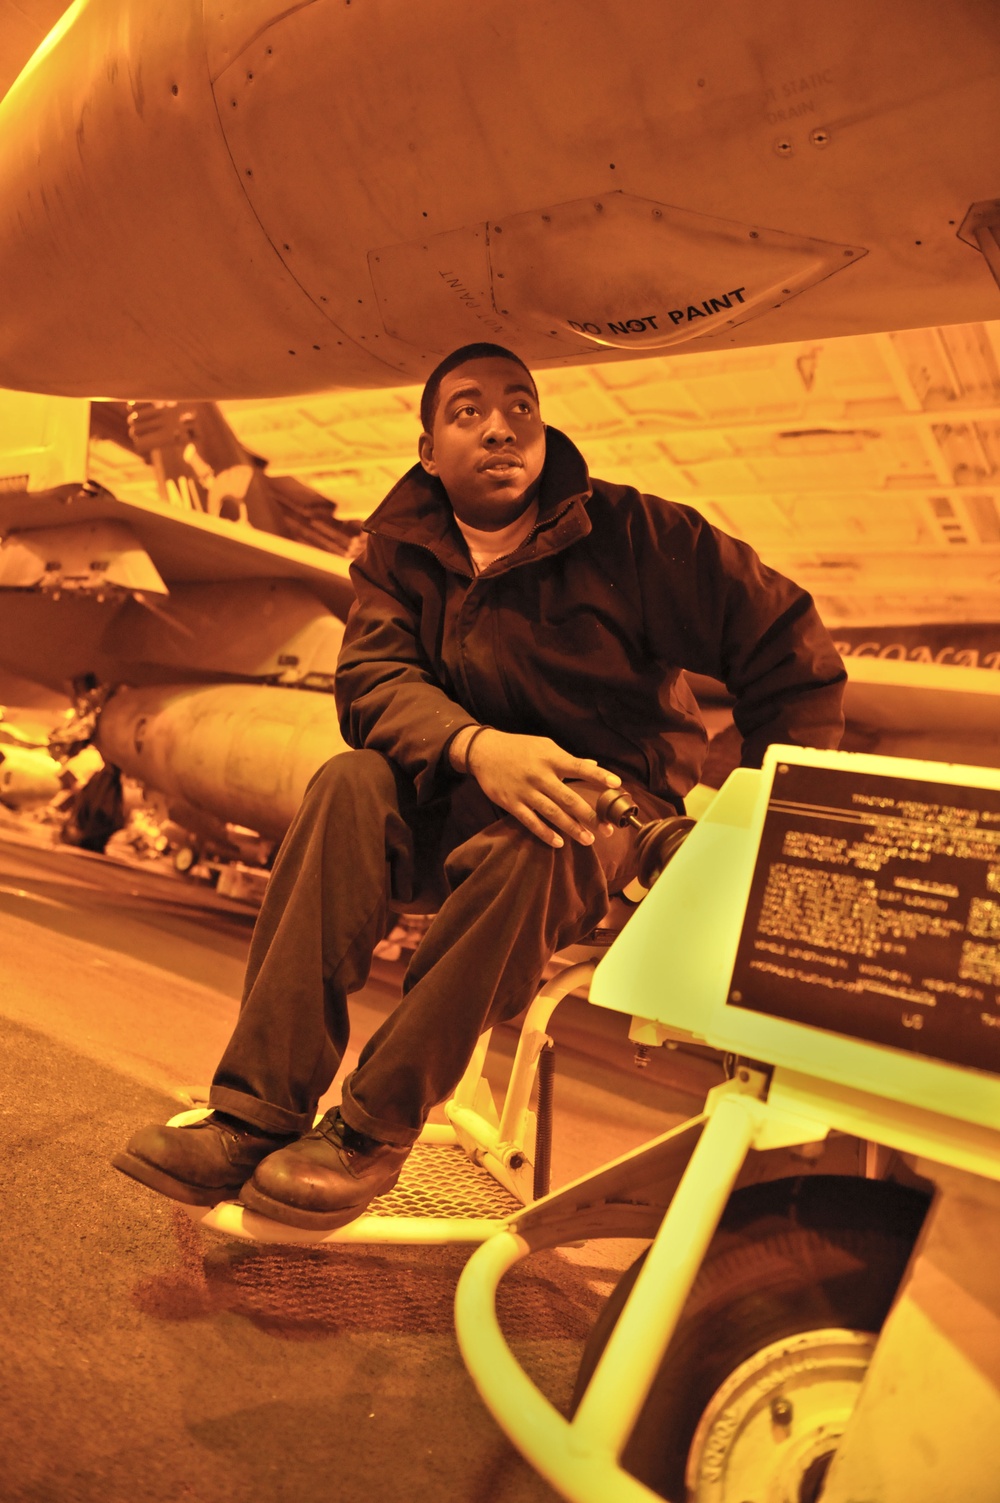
[{"x": 526, "y": 775}]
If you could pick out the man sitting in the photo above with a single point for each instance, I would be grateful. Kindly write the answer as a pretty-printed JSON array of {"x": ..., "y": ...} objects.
[{"x": 516, "y": 647}]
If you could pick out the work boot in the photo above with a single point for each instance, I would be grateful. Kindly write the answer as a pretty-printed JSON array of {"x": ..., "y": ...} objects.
[
  {"x": 325, "y": 1178},
  {"x": 200, "y": 1163}
]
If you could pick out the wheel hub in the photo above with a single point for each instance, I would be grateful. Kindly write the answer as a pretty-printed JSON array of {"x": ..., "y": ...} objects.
[{"x": 768, "y": 1431}]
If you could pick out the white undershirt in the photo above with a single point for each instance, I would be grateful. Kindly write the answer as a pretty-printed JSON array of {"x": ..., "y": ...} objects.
[{"x": 484, "y": 547}]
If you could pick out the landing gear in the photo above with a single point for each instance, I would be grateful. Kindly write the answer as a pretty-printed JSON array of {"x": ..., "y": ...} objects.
[
  {"x": 185, "y": 857},
  {"x": 764, "y": 1369},
  {"x": 96, "y": 811}
]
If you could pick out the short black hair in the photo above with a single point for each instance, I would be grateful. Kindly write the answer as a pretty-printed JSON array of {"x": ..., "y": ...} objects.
[{"x": 482, "y": 351}]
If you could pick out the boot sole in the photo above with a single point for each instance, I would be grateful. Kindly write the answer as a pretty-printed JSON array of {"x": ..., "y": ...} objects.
[
  {"x": 175, "y": 1189},
  {"x": 312, "y": 1221}
]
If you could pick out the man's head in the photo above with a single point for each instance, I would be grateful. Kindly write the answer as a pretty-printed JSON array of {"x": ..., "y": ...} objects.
[{"x": 483, "y": 435}]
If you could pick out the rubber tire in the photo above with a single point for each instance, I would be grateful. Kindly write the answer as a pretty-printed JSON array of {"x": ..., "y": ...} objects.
[
  {"x": 789, "y": 1256},
  {"x": 185, "y": 857}
]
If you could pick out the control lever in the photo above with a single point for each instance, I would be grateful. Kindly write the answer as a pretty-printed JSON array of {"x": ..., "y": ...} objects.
[{"x": 659, "y": 840}]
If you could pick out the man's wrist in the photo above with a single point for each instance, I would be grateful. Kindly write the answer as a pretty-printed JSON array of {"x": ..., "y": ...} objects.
[{"x": 461, "y": 746}]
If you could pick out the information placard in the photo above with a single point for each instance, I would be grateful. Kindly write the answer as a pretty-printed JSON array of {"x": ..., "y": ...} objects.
[{"x": 875, "y": 912}]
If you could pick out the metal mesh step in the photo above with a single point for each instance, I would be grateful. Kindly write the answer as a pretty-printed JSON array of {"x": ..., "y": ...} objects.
[{"x": 443, "y": 1181}]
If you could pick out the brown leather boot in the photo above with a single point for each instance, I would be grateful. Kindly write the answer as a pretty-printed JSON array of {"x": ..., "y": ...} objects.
[
  {"x": 324, "y": 1179},
  {"x": 201, "y": 1163}
]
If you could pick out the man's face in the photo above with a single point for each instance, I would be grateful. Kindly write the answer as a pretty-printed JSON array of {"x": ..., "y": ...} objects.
[{"x": 487, "y": 446}]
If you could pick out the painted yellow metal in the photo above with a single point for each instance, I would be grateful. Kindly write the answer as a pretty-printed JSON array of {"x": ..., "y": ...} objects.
[
  {"x": 934, "y": 1381},
  {"x": 441, "y": 1198},
  {"x": 907, "y": 1126},
  {"x": 464, "y": 1179},
  {"x": 580, "y": 1458},
  {"x": 407, "y": 1231},
  {"x": 616, "y": 1392},
  {"x": 697, "y": 926},
  {"x": 535, "y": 1425},
  {"x": 533, "y": 1037},
  {"x": 672, "y": 968},
  {"x": 694, "y": 915}
]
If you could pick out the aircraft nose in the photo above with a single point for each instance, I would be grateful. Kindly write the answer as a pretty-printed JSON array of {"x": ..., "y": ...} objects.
[{"x": 131, "y": 259}]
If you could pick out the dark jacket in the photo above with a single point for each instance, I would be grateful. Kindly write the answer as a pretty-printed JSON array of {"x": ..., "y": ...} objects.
[{"x": 580, "y": 634}]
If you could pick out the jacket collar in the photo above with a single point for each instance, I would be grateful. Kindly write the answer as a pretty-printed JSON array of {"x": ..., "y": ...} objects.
[{"x": 417, "y": 509}]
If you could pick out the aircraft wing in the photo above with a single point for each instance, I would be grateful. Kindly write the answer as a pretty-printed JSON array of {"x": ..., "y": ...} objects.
[
  {"x": 24, "y": 25},
  {"x": 180, "y": 636},
  {"x": 202, "y": 201},
  {"x": 78, "y": 562},
  {"x": 185, "y": 546}
]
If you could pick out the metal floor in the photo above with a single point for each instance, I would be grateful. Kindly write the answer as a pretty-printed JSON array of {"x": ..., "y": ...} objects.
[{"x": 146, "y": 1359}]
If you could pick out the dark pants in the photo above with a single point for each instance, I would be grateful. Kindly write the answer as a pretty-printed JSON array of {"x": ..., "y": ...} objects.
[{"x": 504, "y": 902}]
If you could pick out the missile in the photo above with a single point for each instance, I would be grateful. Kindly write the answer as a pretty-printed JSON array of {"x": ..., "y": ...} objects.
[
  {"x": 242, "y": 753},
  {"x": 252, "y": 198}
]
